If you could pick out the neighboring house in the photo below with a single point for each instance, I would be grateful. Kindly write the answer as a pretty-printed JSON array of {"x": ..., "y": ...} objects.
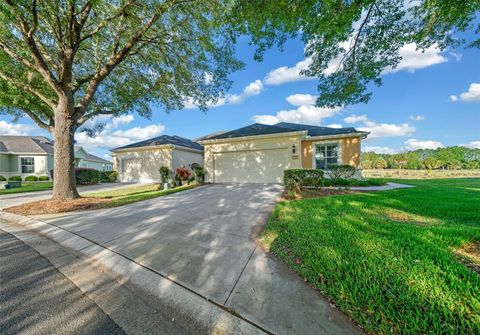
[
  {"x": 33, "y": 155},
  {"x": 84, "y": 159},
  {"x": 141, "y": 161},
  {"x": 260, "y": 153}
]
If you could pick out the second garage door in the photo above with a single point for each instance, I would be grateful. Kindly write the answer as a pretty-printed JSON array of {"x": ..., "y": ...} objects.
[{"x": 254, "y": 166}]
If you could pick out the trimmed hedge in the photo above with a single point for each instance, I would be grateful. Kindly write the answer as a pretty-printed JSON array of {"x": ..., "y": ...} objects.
[
  {"x": 43, "y": 178},
  {"x": 86, "y": 176},
  {"x": 2, "y": 178},
  {"x": 303, "y": 177},
  {"x": 31, "y": 178},
  {"x": 107, "y": 176},
  {"x": 15, "y": 178}
]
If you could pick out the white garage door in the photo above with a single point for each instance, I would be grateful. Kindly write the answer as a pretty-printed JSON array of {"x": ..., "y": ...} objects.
[
  {"x": 136, "y": 170},
  {"x": 255, "y": 166}
]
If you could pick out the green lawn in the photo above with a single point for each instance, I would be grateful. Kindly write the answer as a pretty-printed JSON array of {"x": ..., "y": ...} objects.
[
  {"x": 386, "y": 259},
  {"x": 29, "y": 187},
  {"x": 133, "y": 194}
]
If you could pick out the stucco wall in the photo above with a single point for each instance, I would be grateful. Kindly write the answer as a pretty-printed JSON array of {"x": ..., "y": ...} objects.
[
  {"x": 142, "y": 165},
  {"x": 185, "y": 158},
  {"x": 350, "y": 151},
  {"x": 281, "y": 142},
  {"x": 10, "y": 165}
]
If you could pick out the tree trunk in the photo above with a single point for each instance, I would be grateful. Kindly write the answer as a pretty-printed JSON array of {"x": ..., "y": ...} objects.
[{"x": 64, "y": 186}]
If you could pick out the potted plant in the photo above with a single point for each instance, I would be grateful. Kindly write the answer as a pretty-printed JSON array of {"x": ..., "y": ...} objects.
[
  {"x": 164, "y": 176},
  {"x": 182, "y": 174}
]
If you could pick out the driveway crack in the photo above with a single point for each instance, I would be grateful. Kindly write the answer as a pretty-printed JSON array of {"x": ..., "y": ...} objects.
[{"x": 240, "y": 275}]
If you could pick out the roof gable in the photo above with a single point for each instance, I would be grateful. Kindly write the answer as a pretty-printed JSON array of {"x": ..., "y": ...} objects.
[
  {"x": 164, "y": 140},
  {"x": 26, "y": 144}
]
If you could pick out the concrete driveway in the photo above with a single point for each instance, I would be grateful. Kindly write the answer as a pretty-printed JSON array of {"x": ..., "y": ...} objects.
[
  {"x": 204, "y": 239},
  {"x": 14, "y": 199}
]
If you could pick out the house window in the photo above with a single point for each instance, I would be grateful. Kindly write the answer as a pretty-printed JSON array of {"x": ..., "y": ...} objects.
[
  {"x": 28, "y": 164},
  {"x": 326, "y": 155}
]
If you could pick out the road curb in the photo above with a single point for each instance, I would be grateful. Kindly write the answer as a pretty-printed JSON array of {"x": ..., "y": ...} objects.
[{"x": 204, "y": 315}]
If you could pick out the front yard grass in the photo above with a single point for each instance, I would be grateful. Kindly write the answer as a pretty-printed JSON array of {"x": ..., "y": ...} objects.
[
  {"x": 389, "y": 259},
  {"x": 96, "y": 200},
  {"x": 29, "y": 187}
]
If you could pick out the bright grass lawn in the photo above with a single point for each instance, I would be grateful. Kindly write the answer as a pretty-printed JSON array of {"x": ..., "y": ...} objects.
[
  {"x": 388, "y": 259},
  {"x": 29, "y": 187}
]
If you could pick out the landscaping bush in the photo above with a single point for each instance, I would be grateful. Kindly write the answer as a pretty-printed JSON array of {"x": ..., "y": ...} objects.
[
  {"x": 43, "y": 178},
  {"x": 199, "y": 173},
  {"x": 299, "y": 178},
  {"x": 165, "y": 174},
  {"x": 31, "y": 178},
  {"x": 182, "y": 173},
  {"x": 338, "y": 172},
  {"x": 86, "y": 176},
  {"x": 15, "y": 178},
  {"x": 112, "y": 177},
  {"x": 107, "y": 176},
  {"x": 2, "y": 178}
]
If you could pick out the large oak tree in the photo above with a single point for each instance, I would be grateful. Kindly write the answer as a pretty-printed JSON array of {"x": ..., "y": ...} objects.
[{"x": 63, "y": 62}]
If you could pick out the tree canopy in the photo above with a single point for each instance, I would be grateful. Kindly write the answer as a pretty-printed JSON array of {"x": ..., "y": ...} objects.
[{"x": 350, "y": 43}]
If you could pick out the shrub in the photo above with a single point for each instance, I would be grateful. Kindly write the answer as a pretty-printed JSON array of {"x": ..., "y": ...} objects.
[
  {"x": 112, "y": 177},
  {"x": 199, "y": 173},
  {"x": 2, "y": 178},
  {"x": 31, "y": 178},
  {"x": 86, "y": 176},
  {"x": 165, "y": 174},
  {"x": 15, "y": 178},
  {"x": 182, "y": 173},
  {"x": 338, "y": 172},
  {"x": 43, "y": 178},
  {"x": 299, "y": 178}
]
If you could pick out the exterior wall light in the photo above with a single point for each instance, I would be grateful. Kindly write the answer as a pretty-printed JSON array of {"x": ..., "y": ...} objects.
[{"x": 294, "y": 149}]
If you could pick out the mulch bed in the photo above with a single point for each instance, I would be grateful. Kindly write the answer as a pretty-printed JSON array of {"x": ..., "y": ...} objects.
[{"x": 58, "y": 206}]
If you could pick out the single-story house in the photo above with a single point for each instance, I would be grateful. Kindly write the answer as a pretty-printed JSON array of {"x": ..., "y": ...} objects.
[
  {"x": 259, "y": 153},
  {"x": 141, "y": 161},
  {"x": 33, "y": 155}
]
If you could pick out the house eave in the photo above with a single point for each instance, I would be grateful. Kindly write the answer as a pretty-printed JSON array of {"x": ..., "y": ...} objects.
[
  {"x": 155, "y": 147},
  {"x": 337, "y": 136},
  {"x": 253, "y": 137}
]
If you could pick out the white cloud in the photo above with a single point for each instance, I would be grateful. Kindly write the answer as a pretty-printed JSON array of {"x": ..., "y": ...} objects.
[
  {"x": 301, "y": 99},
  {"x": 473, "y": 94},
  {"x": 413, "y": 59},
  {"x": 417, "y": 117},
  {"x": 334, "y": 125},
  {"x": 356, "y": 118},
  {"x": 413, "y": 144},
  {"x": 287, "y": 74},
  {"x": 110, "y": 137},
  {"x": 457, "y": 56},
  {"x": 305, "y": 113},
  {"x": 14, "y": 129},
  {"x": 378, "y": 130},
  {"x": 379, "y": 149},
  {"x": 252, "y": 89},
  {"x": 472, "y": 145}
]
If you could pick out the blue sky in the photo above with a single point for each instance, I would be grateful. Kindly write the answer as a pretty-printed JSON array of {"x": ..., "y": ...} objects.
[{"x": 431, "y": 100}]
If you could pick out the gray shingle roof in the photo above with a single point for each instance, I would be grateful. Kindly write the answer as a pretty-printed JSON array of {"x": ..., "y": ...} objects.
[
  {"x": 284, "y": 127},
  {"x": 90, "y": 157},
  {"x": 163, "y": 140},
  {"x": 26, "y": 144}
]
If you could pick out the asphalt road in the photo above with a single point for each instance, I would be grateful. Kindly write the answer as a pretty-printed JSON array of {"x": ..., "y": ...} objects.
[{"x": 37, "y": 299}]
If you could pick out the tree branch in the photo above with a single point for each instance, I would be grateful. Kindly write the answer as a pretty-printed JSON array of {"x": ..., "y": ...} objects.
[{"x": 38, "y": 121}]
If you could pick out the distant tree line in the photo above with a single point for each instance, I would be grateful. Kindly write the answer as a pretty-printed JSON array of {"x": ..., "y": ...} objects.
[{"x": 450, "y": 158}]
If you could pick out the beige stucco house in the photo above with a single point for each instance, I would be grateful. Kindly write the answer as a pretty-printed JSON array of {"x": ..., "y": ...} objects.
[
  {"x": 260, "y": 153},
  {"x": 141, "y": 161}
]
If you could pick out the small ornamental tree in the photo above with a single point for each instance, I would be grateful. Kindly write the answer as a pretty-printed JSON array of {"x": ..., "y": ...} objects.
[{"x": 65, "y": 62}]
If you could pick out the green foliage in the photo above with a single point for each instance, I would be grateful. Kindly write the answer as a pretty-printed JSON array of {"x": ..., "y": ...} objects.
[
  {"x": 112, "y": 177},
  {"x": 43, "y": 178},
  {"x": 357, "y": 39},
  {"x": 85, "y": 176},
  {"x": 31, "y": 178},
  {"x": 2, "y": 178},
  {"x": 452, "y": 158},
  {"x": 107, "y": 176},
  {"x": 199, "y": 173},
  {"x": 375, "y": 254},
  {"x": 337, "y": 172},
  {"x": 165, "y": 174},
  {"x": 303, "y": 178},
  {"x": 28, "y": 187},
  {"x": 15, "y": 178},
  {"x": 355, "y": 182}
]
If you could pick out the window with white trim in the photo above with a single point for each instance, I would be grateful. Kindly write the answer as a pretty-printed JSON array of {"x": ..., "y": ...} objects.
[
  {"x": 326, "y": 155},
  {"x": 27, "y": 164}
]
